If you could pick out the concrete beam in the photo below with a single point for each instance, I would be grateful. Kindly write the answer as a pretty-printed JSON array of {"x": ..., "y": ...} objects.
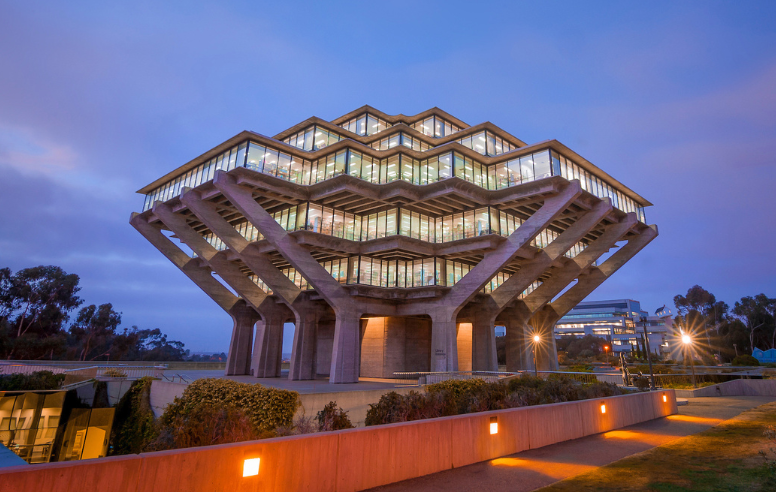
[
  {"x": 190, "y": 267},
  {"x": 345, "y": 360},
  {"x": 493, "y": 262},
  {"x": 217, "y": 261}
]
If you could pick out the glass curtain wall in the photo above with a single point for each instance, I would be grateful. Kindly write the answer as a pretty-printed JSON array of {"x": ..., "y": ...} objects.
[
  {"x": 487, "y": 143},
  {"x": 434, "y": 126},
  {"x": 313, "y": 138},
  {"x": 365, "y": 124},
  {"x": 512, "y": 172},
  {"x": 397, "y": 139}
]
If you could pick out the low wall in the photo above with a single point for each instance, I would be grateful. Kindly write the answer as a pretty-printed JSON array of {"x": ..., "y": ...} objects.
[
  {"x": 348, "y": 460},
  {"x": 356, "y": 403},
  {"x": 738, "y": 387},
  {"x": 163, "y": 393}
]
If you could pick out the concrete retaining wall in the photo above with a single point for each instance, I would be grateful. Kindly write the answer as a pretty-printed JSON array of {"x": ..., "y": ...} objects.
[
  {"x": 738, "y": 387},
  {"x": 347, "y": 460}
]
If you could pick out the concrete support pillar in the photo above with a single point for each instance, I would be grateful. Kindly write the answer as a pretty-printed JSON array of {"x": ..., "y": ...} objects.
[
  {"x": 304, "y": 346},
  {"x": 519, "y": 348},
  {"x": 268, "y": 346},
  {"x": 484, "y": 343},
  {"x": 238, "y": 360},
  {"x": 444, "y": 342},
  {"x": 346, "y": 352}
]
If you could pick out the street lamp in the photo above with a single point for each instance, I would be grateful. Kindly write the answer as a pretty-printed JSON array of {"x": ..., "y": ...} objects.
[
  {"x": 536, "y": 340},
  {"x": 606, "y": 351},
  {"x": 649, "y": 355},
  {"x": 687, "y": 341}
]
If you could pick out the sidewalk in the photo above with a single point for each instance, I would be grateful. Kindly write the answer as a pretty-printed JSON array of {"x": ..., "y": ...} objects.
[{"x": 537, "y": 468}]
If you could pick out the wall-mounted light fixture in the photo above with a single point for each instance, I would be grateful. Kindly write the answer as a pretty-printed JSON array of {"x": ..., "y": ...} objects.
[
  {"x": 494, "y": 425},
  {"x": 665, "y": 399},
  {"x": 603, "y": 408},
  {"x": 251, "y": 467}
]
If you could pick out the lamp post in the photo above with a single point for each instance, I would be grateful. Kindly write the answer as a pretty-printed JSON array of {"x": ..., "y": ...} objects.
[
  {"x": 687, "y": 341},
  {"x": 606, "y": 351},
  {"x": 649, "y": 355},
  {"x": 536, "y": 340}
]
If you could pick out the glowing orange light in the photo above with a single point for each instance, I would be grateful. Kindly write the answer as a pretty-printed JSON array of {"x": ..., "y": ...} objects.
[
  {"x": 494, "y": 425},
  {"x": 251, "y": 467},
  {"x": 665, "y": 399},
  {"x": 603, "y": 408},
  {"x": 537, "y": 339}
]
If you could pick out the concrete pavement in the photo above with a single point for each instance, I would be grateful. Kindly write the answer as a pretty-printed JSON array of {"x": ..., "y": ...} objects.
[{"x": 537, "y": 468}]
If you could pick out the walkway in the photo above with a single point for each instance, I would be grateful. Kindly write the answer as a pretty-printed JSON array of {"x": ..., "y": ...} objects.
[{"x": 537, "y": 468}]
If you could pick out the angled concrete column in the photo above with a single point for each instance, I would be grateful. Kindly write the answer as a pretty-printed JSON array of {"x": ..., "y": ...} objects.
[
  {"x": 190, "y": 267},
  {"x": 597, "y": 275},
  {"x": 528, "y": 273},
  {"x": 444, "y": 341},
  {"x": 217, "y": 260},
  {"x": 238, "y": 360},
  {"x": 347, "y": 332},
  {"x": 243, "y": 316},
  {"x": 463, "y": 291},
  {"x": 268, "y": 346},
  {"x": 559, "y": 280},
  {"x": 306, "y": 313}
]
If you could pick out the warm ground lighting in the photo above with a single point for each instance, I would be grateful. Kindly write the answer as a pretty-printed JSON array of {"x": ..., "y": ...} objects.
[
  {"x": 494, "y": 425},
  {"x": 665, "y": 399},
  {"x": 603, "y": 408},
  {"x": 251, "y": 467}
]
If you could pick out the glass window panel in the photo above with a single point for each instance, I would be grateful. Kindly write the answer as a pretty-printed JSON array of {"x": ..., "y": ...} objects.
[
  {"x": 255, "y": 157},
  {"x": 526, "y": 168},
  {"x": 390, "y": 224},
  {"x": 406, "y": 168}
]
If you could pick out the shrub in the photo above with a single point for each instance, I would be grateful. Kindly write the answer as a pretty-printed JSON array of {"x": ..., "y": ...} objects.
[
  {"x": 114, "y": 373},
  {"x": 454, "y": 397},
  {"x": 641, "y": 383},
  {"x": 267, "y": 408},
  {"x": 205, "y": 425},
  {"x": 40, "y": 380},
  {"x": 333, "y": 418},
  {"x": 745, "y": 360},
  {"x": 133, "y": 425}
]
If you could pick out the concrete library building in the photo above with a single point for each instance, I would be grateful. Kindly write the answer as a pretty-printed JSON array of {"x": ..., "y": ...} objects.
[{"x": 392, "y": 243}]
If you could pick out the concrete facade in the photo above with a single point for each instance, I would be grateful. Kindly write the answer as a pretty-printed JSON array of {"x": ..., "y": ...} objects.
[{"x": 398, "y": 256}]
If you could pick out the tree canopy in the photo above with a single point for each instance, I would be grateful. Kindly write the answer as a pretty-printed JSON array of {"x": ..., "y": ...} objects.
[{"x": 35, "y": 306}]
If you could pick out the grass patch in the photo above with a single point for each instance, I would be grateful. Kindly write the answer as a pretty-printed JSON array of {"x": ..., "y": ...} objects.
[{"x": 727, "y": 457}]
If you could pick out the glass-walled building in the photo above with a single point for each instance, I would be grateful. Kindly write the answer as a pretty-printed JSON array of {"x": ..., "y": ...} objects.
[{"x": 390, "y": 216}]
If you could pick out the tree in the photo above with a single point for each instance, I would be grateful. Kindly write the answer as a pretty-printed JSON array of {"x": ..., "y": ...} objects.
[
  {"x": 700, "y": 311},
  {"x": 754, "y": 313},
  {"x": 94, "y": 331},
  {"x": 41, "y": 297}
]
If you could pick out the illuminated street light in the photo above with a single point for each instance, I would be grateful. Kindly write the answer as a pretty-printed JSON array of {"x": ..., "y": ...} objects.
[
  {"x": 606, "y": 351},
  {"x": 536, "y": 339}
]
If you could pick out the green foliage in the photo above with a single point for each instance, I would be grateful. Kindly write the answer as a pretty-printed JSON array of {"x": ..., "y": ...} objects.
[
  {"x": 36, "y": 303},
  {"x": 266, "y": 408},
  {"x": 206, "y": 425},
  {"x": 333, "y": 418},
  {"x": 454, "y": 397},
  {"x": 40, "y": 380},
  {"x": 745, "y": 360},
  {"x": 114, "y": 373},
  {"x": 133, "y": 425}
]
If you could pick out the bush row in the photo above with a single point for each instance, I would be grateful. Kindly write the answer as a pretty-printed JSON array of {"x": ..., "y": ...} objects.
[
  {"x": 41, "y": 380},
  {"x": 455, "y": 397}
]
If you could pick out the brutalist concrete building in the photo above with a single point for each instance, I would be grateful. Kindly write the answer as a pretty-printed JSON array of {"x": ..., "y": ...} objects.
[{"x": 393, "y": 243}]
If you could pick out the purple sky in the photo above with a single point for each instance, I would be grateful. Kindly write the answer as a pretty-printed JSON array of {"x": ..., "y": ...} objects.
[{"x": 675, "y": 99}]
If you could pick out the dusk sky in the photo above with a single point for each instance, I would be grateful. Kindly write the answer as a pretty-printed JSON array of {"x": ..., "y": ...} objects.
[{"x": 677, "y": 100}]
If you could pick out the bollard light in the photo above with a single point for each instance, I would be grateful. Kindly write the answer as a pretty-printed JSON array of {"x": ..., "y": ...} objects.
[
  {"x": 603, "y": 408},
  {"x": 494, "y": 425},
  {"x": 251, "y": 467}
]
